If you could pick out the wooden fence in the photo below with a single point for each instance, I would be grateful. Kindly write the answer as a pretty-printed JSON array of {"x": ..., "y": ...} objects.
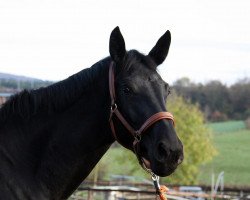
[{"x": 146, "y": 192}]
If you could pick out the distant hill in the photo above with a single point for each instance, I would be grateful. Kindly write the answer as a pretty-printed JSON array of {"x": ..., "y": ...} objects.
[
  {"x": 10, "y": 82},
  {"x": 17, "y": 77}
]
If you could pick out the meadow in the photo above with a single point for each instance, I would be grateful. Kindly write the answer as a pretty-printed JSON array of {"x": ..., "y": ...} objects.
[{"x": 232, "y": 141}]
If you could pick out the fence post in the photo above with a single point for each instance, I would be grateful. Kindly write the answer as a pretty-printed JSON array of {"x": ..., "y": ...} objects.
[
  {"x": 219, "y": 182},
  {"x": 212, "y": 186},
  {"x": 90, "y": 195}
]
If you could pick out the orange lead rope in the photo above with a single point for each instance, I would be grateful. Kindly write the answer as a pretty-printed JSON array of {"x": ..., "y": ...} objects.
[
  {"x": 160, "y": 189},
  {"x": 163, "y": 191}
]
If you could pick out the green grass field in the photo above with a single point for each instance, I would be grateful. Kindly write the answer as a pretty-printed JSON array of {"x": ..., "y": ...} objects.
[
  {"x": 233, "y": 144},
  {"x": 225, "y": 127}
]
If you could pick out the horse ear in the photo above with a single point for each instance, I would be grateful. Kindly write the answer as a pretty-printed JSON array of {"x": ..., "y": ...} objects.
[
  {"x": 160, "y": 50},
  {"x": 117, "y": 48}
]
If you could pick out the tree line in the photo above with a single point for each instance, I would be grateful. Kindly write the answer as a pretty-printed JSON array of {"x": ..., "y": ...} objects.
[
  {"x": 17, "y": 85},
  {"x": 218, "y": 101}
]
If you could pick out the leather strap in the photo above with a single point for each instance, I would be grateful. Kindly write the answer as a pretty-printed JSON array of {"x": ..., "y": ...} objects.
[{"x": 154, "y": 118}]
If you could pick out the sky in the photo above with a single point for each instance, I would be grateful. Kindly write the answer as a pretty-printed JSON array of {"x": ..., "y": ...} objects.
[{"x": 53, "y": 39}]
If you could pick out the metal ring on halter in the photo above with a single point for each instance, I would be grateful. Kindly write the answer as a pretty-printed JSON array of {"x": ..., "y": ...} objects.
[
  {"x": 113, "y": 107},
  {"x": 154, "y": 177},
  {"x": 137, "y": 137}
]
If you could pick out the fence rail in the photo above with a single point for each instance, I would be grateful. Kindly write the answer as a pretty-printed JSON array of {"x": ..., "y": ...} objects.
[
  {"x": 92, "y": 193},
  {"x": 137, "y": 191}
]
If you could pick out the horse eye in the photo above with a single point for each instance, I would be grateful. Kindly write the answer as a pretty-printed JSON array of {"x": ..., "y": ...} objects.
[{"x": 126, "y": 90}]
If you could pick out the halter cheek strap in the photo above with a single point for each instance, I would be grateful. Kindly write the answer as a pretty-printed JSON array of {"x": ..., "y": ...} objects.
[{"x": 115, "y": 111}]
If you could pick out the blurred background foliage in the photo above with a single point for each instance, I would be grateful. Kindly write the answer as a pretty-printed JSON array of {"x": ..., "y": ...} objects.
[{"x": 218, "y": 101}]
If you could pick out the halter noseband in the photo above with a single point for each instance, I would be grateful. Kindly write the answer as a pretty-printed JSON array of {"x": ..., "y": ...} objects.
[{"x": 115, "y": 111}]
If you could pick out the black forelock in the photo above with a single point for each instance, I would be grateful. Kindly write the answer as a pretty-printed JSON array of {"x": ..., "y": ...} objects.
[{"x": 134, "y": 57}]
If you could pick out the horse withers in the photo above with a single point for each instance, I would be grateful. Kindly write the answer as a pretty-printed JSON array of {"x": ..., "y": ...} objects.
[{"x": 51, "y": 138}]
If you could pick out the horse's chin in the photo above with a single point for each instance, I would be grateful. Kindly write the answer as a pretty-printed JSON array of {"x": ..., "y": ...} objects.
[
  {"x": 164, "y": 173},
  {"x": 159, "y": 171}
]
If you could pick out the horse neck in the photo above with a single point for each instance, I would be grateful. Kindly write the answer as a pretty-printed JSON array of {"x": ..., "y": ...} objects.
[
  {"x": 81, "y": 138},
  {"x": 64, "y": 147}
]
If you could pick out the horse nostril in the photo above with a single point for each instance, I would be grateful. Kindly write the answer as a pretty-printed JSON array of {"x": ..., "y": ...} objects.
[{"x": 162, "y": 152}]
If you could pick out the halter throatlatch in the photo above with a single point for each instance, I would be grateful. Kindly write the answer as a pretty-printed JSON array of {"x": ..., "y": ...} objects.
[{"x": 137, "y": 134}]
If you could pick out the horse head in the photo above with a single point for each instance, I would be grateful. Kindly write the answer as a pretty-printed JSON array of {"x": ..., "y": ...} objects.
[{"x": 140, "y": 93}]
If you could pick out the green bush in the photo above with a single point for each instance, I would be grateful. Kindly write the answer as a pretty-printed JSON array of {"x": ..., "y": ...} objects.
[{"x": 196, "y": 138}]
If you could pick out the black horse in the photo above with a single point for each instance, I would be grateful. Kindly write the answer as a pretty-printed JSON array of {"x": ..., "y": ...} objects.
[{"x": 51, "y": 138}]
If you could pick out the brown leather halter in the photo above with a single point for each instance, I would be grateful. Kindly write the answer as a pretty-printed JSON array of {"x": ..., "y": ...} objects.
[{"x": 114, "y": 111}]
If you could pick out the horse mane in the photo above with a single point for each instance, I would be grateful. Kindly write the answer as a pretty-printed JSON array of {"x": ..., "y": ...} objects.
[
  {"x": 51, "y": 99},
  {"x": 56, "y": 97}
]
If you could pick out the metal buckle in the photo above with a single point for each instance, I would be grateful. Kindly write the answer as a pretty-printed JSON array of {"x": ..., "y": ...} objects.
[
  {"x": 113, "y": 107},
  {"x": 155, "y": 177},
  {"x": 137, "y": 137},
  {"x": 156, "y": 182}
]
